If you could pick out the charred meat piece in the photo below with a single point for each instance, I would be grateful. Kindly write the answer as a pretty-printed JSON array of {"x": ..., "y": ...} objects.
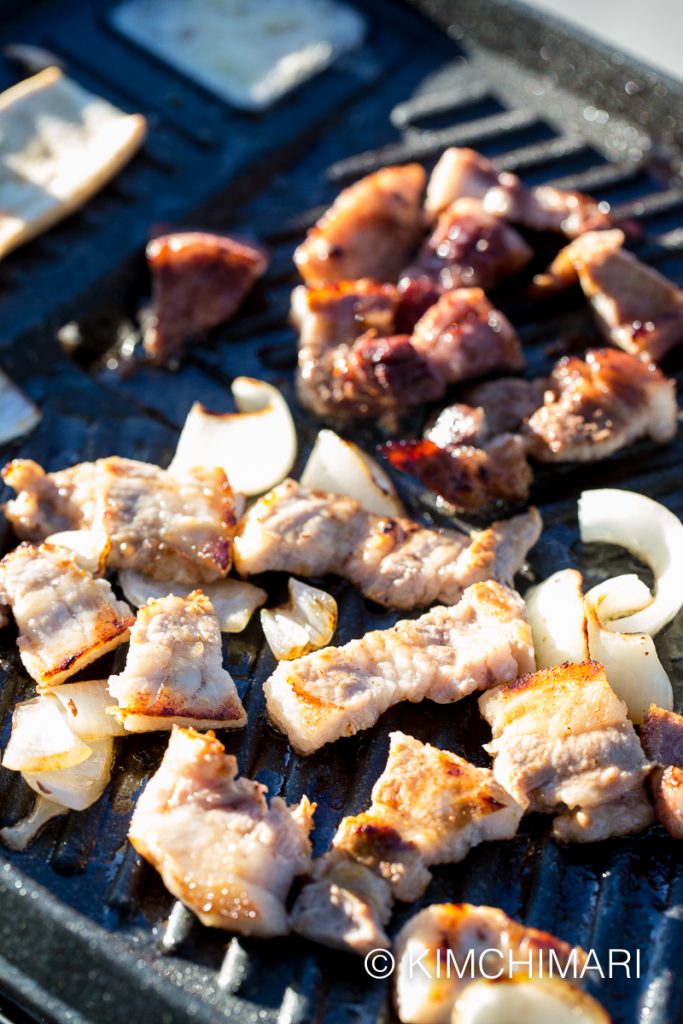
[
  {"x": 370, "y": 230},
  {"x": 442, "y": 656},
  {"x": 595, "y": 406},
  {"x": 661, "y": 735},
  {"x": 66, "y": 619},
  {"x": 215, "y": 842},
  {"x": 174, "y": 669},
  {"x": 562, "y": 741},
  {"x": 506, "y": 403},
  {"x": 49, "y": 503},
  {"x": 396, "y": 562},
  {"x": 199, "y": 281},
  {"x": 428, "y": 807},
  {"x": 379, "y": 374}
]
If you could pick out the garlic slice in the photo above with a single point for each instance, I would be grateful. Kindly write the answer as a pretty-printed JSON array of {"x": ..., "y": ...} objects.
[
  {"x": 537, "y": 1001},
  {"x": 18, "y": 414},
  {"x": 306, "y": 623},
  {"x": 341, "y": 467},
  {"x": 89, "y": 547},
  {"x": 17, "y": 837},
  {"x": 85, "y": 706},
  {"x": 234, "y": 601},
  {"x": 557, "y": 618},
  {"x": 81, "y": 785},
  {"x": 41, "y": 738}
]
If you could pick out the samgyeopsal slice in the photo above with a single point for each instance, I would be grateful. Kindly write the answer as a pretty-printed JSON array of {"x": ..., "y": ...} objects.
[
  {"x": 214, "y": 840},
  {"x": 48, "y": 503},
  {"x": 661, "y": 735},
  {"x": 66, "y": 619},
  {"x": 562, "y": 742},
  {"x": 174, "y": 669},
  {"x": 396, "y": 562},
  {"x": 447, "y": 653},
  {"x": 429, "y": 806}
]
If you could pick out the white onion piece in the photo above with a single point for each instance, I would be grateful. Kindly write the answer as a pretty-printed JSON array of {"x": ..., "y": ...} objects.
[
  {"x": 650, "y": 532},
  {"x": 41, "y": 738},
  {"x": 630, "y": 660},
  {"x": 256, "y": 446},
  {"x": 18, "y": 837},
  {"x": 85, "y": 706},
  {"x": 80, "y": 786},
  {"x": 538, "y": 1001},
  {"x": 341, "y": 467},
  {"x": 234, "y": 601},
  {"x": 90, "y": 548},
  {"x": 557, "y": 619},
  {"x": 305, "y": 624},
  {"x": 18, "y": 414}
]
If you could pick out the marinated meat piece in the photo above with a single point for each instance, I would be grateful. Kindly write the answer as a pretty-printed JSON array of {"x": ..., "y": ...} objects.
[
  {"x": 199, "y": 281},
  {"x": 595, "y": 406},
  {"x": 396, "y": 562},
  {"x": 506, "y": 402},
  {"x": 442, "y": 656},
  {"x": 66, "y": 619},
  {"x": 215, "y": 842},
  {"x": 48, "y": 503},
  {"x": 415, "y": 297},
  {"x": 456, "y": 425},
  {"x": 174, "y": 670},
  {"x": 428, "y": 807},
  {"x": 370, "y": 230},
  {"x": 484, "y": 938},
  {"x": 661, "y": 735},
  {"x": 460, "y": 173},
  {"x": 562, "y": 742},
  {"x": 382, "y": 373}
]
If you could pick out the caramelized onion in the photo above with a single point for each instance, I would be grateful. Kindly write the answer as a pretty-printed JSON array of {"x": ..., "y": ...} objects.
[{"x": 306, "y": 623}]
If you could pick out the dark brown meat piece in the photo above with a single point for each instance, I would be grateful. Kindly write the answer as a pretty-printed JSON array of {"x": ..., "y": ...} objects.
[
  {"x": 199, "y": 281},
  {"x": 661, "y": 735}
]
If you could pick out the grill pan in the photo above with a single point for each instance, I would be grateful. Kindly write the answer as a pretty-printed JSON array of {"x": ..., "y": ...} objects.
[{"x": 88, "y": 935}]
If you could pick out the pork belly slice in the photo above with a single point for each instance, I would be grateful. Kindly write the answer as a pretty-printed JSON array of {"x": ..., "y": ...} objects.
[
  {"x": 562, "y": 743},
  {"x": 661, "y": 735},
  {"x": 48, "y": 503},
  {"x": 174, "y": 669},
  {"x": 506, "y": 403},
  {"x": 428, "y": 807},
  {"x": 199, "y": 280},
  {"x": 444, "y": 935},
  {"x": 218, "y": 846},
  {"x": 370, "y": 230},
  {"x": 597, "y": 405},
  {"x": 66, "y": 619},
  {"x": 441, "y": 656},
  {"x": 396, "y": 562}
]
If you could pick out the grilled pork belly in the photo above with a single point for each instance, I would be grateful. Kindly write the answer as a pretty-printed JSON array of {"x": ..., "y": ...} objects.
[
  {"x": 661, "y": 735},
  {"x": 396, "y": 562},
  {"x": 48, "y": 503},
  {"x": 595, "y": 406},
  {"x": 215, "y": 842},
  {"x": 442, "y": 656},
  {"x": 562, "y": 742},
  {"x": 506, "y": 403},
  {"x": 370, "y": 230},
  {"x": 199, "y": 281},
  {"x": 174, "y": 669},
  {"x": 66, "y": 619},
  {"x": 445, "y": 934},
  {"x": 461, "y": 173},
  {"x": 428, "y": 807}
]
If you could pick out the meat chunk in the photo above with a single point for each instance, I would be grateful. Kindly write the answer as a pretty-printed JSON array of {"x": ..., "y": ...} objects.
[
  {"x": 174, "y": 669},
  {"x": 369, "y": 231},
  {"x": 506, "y": 403},
  {"x": 661, "y": 735},
  {"x": 562, "y": 742},
  {"x": 199, "y": 281},
  {"x": 442, "y": 656},
  {"x": 215, "y": 842},
  {"x": 428, "y": 807},
  {"x": 460, "y": 173},
  {"x": 596, "y": 406},
  {"x": 66, "y": 619},
  {"x": 48, "y": 503},
  {"x": 396, "y": 562},
  {"x": 477, "y": 940},
  {"x": 456, "y": 425}
]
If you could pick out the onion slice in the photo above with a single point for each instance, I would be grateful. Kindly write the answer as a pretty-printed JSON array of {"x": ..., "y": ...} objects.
[
  {"x": 256, "y": 446},
  {"x": 534, "y": 1001},
  {"x": 18, "y": 414},
  {"x": 89, "y": 547},
  {"x": 650, "y": 532},
  {"x": 305, "y": 624},
  {"x": 341, "y": 467},
  {"x": 18, "y": 837},
  {"x": 557, "y": 618},
  {"x": 234, "y": 601},
  {"x": 85, "y": 706},
  {"x": 80, "y": 786},
  {"x": 41, "y": 738}
]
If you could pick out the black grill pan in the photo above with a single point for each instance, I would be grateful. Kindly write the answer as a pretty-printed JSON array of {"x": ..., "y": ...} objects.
[{"x": 88, "y": 935}]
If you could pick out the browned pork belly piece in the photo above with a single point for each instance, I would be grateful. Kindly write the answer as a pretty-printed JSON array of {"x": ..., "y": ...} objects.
[
  {"x": 428, "y": 807},
  {"x": 199, "y": 280},
  {"x": 370, "y": 230},
  {"x": 174, "y": 669},
  {"x": 444, "y": 655},
  {"x": 477, "y": 940},
  {"x": 66, "y": 619},
  {"x": 48, "y": 503},
  {"x": 594, "y": 406},
  {"x": 456, "y": 425},
  {"x": 562, "y": 742},
  {"x": 506, "y": 403},
  {"x": 215, "y": 842},
  {"x": 661, "y": 735},
  {"x": 396, "y": 562}
]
